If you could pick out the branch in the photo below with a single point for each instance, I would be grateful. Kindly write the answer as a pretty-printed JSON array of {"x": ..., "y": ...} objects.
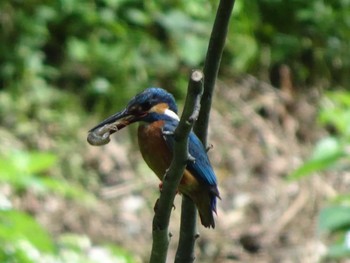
[
  {"x": 188, "y": 232},
  {"x": 212, "y": 64},
  {"x": 173, "y": 176},
  {"x": 188, "y": 235}
]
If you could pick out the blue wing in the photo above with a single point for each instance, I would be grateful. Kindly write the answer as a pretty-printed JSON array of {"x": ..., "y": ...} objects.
[{"x": 201, "y": 167}]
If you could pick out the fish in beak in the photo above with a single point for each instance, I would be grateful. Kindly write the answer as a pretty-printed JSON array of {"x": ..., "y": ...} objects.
[{"x": 99, "y": 135}]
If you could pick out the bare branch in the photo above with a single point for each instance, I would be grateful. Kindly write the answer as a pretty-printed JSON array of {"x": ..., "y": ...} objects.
[
  {"x": 188, "y": 235},
  {"x": 174, "y": 174},
  {"x": 212, "y": 64}
]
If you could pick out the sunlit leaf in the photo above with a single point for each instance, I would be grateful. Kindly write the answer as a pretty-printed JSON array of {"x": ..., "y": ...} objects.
[
  {"x": 16, "y": 226},
  {"x": 326, "y": 154},
  {"x": 40, "y": 161},
  {"x": 315, "y": 165},
  {"x": 7, "y": 169},
  {"x": 326, "y": 148}
]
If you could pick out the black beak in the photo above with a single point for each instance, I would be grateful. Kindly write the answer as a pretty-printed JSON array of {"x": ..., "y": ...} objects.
[{"x": 99, "y": 135}]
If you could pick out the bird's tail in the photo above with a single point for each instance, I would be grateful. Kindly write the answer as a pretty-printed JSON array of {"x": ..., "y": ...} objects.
[{"x": 206, "y": 205}]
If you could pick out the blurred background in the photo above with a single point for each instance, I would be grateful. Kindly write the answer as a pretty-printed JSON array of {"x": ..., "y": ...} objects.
[{"x": 279, "y": 128}]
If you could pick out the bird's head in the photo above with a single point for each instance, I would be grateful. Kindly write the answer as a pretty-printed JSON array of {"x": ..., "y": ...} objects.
[{"x": 148, "y": 106}]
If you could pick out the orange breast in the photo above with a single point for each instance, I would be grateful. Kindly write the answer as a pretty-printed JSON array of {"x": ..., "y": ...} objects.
[
  {"x": 157, "y": 155},
  {"x": 153, "y": 148}
]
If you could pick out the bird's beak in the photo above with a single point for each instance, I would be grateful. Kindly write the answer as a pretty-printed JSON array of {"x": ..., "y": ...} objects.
[{"x": 99, "y": 135}]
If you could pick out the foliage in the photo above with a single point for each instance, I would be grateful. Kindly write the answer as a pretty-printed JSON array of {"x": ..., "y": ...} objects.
[
  {"x": 104, "y": 51},
  {"x": 23, "y": 170},
  {"x": 17, "y": 226},
  {"x": 332, "y": 152},
  {"x": 69, "y": 248},
  {"x": 309, "y": 36},
  {"x": 22, "y": 239}
]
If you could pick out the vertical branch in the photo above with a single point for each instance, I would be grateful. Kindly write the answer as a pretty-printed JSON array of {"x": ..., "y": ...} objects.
[
  {"x": 185, "y": 252},
  {"x": 212, "y": 64},
  {"x": 173, "y": 176},
  {"x": 188, "y": 235},
  {"x": 188, "y": 232}
]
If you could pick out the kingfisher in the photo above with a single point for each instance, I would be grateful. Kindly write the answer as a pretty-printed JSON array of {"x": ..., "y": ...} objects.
[{"x": 156, "y": 111}]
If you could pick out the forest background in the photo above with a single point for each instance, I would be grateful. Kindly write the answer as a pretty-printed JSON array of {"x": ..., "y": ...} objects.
[{"x": 281, "y": 99}]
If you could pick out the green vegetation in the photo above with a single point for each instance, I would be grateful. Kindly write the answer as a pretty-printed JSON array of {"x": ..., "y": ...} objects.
[
  {"x": 23, "y": 239},
  {"x": 105, "y": 51},
  {"x": 332, "y": 153},
  {"x": 63, "y": 63}
]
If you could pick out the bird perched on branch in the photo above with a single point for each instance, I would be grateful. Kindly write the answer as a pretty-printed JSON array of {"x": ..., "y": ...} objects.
[{"x": 156, "y": 111}]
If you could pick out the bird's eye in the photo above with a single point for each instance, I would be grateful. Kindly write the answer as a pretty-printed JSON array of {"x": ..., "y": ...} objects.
[
  {"x": 146, "y": 106},
  {"x": 140, "y": 108}
]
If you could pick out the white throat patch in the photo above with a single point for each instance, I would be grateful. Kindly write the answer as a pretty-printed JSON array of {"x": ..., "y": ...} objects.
[{"x": 171, "y": 114}]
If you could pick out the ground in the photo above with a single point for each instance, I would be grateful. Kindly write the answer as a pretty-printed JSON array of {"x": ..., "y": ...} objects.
[{"x": 259, "y": 134}]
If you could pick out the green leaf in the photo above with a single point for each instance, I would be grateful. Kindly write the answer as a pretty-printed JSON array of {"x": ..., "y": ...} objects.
[
  {"x": 334, "y": 218},
  {"x": 7, "y": 169},
  {"x": 312, "y": 166},
  {"x": 326, "y": 148},
  {"x": 67, "y": 190},
  {"x": 40, "y": 161},
  {"x": 326, "y": 154},
  {"x": 335, "y": 111},
  {"x": 16, "y": 226},
  {"x": 26, "y": 162}
]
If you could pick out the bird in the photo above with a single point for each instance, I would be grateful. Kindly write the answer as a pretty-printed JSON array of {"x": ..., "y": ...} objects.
[{"x": 156, "y": 111}]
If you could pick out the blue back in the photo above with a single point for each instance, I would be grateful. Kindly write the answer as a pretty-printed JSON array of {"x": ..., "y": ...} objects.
[{"x": 201, "y": 168}]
